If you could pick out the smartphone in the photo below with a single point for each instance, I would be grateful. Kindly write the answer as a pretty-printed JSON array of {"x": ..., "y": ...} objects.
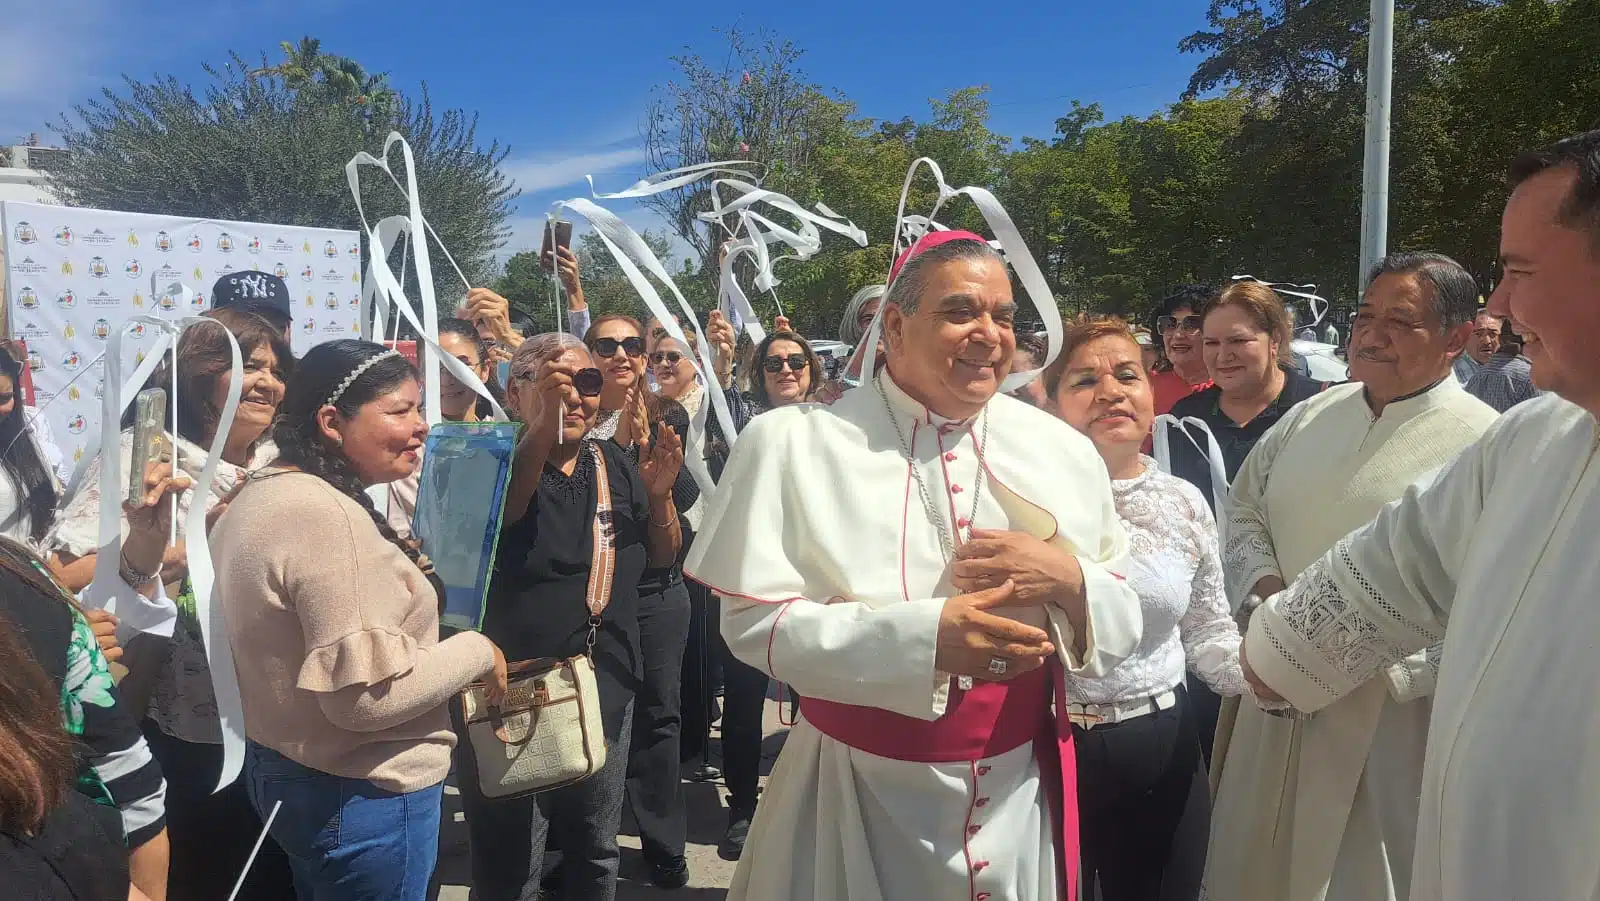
[
  {"x": 149, "y": 438},
  {"x": 558, "y": 232}
]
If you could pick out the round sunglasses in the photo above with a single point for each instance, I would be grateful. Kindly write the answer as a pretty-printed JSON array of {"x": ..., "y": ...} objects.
[
  {"x": 587, "y": 382},
  {"x": 607, "y": 347},
  {"x": 1168, "y": 324},
  {"x": 665, "y": 356},
  {"x": 795, "y": 362}
]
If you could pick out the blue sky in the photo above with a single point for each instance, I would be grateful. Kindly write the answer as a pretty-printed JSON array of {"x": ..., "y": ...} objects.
[{"x": 566, "y": 84}]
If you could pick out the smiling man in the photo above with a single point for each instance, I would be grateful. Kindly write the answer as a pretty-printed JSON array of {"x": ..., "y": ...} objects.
[
  {"x": 1508, "y": 807},
  {"x": 1319, "y": 808},
  {"x": 919, "y": 561}
]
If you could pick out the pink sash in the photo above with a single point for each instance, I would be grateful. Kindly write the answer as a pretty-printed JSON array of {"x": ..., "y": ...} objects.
[{"x": 988, "y": 720}]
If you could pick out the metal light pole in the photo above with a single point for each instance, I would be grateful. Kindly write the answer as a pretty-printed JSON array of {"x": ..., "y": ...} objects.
[{"x": 1375, "y": 162}]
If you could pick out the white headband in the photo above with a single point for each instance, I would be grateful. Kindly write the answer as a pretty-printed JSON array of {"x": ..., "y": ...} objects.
[{"x": 355, "y": 373}]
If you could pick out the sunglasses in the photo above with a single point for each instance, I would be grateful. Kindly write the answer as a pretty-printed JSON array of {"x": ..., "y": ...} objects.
[
  {"x": 796, "y": 362},
  {"x": 1173, "y": 324},
  {"x": 607, "y": 347},
  {"x": 588, "y": 382},
  {"x": 665, "y": 356}
]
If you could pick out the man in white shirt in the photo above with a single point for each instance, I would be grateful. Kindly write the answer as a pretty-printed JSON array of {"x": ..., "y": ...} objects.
[
  {"x": 864, "y": 552},
  {"x": 1326, "y": 808},
  {"x": 1499, "y": 545}
]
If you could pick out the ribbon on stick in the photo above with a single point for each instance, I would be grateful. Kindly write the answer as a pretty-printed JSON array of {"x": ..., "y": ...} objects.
[
  {"x": 1161, "y": 449},
  {"x": 1319, "y": 304},
  {"x": 107, "y": 590},
  {"x": 1011, "y": 246}
]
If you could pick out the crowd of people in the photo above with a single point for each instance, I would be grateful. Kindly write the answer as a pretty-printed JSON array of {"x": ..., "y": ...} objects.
[{"x": 1036, "y": 653}]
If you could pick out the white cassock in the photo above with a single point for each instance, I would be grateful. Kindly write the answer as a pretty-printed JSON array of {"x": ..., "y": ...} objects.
[
  {"x": 1501, "y": 544},
  {"x": 1326, "y": 807},
  {"x": 833, "y": 579}
]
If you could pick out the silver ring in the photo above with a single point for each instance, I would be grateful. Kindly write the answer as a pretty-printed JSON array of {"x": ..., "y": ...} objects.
[{"x": 999, "y": 665}]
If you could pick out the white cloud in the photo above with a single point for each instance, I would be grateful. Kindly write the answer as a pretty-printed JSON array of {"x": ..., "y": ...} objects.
[{"x": 536, "y": 174}]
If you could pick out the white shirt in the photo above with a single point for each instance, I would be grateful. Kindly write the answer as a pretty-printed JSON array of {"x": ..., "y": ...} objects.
[{"x": 1173, "y": 567}]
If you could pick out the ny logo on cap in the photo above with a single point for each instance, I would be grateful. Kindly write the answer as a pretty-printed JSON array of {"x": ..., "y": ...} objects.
[{"x": 252, "y": 287}]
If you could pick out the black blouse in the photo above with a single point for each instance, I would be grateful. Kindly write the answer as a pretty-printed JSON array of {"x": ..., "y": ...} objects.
[
  {"x": 1190, "y": 463},
  {"x": 538, "y": 594}
]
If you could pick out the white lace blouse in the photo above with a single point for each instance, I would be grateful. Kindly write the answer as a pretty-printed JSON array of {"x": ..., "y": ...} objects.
[{"x": 1175, "y": 569}]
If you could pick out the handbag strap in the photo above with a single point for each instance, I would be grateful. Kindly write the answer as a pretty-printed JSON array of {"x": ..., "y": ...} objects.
[{"x": 603, "y": 569}]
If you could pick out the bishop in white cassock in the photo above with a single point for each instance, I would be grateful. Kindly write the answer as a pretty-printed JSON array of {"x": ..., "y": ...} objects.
[
  {"x": 1500, "y": 547},
  {"x": 1326, "y": 807},
  {"x": 839, "y": 541}
]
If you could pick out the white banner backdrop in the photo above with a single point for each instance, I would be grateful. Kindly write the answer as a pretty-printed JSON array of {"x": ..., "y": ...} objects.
[{"x": 76, "y": 274}]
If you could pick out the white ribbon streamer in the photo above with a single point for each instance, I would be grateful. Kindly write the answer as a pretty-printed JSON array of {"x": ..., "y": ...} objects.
[
  {"x": 202, "y": 573},
  {"x": 1161, "y": 449},
  {"x": 672, "y": 179},
  {"x": 1011, "y": 246},
  {"x": 1319, "y": 304},
  {"x": 632, "y": 253}
]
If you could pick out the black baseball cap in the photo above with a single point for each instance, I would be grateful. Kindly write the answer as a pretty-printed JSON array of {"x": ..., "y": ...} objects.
[{"x": 252, "y": 290}]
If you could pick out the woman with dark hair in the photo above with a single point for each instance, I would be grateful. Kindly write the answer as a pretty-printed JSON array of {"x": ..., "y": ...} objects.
[
  {"x": 789, "y": 371},
  {"x": 335, "y": 629},
  {"x": 655, "y": 792},
  {"x": 539, "y": 607},
  {"x": 169, "y": 683},
  {"x": 28, "y": 490},
  {"x": 1181, "y": 369},
  {"x": 117, "y": 815}
]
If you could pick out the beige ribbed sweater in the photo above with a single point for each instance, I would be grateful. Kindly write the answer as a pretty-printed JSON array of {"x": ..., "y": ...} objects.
[{"x": 336, "y": 636}]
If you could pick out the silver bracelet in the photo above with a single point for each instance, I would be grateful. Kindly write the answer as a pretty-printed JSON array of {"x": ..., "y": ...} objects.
[{"x": 133, "y": 576}]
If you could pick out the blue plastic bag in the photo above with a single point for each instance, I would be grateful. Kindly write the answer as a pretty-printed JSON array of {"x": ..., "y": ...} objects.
[{"x": 461, "y": 497}]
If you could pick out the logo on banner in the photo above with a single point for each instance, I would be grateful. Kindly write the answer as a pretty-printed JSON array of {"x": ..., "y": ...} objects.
[
  {"x": 98, "y": 238},
  {"x": 133, "y": 238},
  {"x": 73, "y": 393},
  {"x": 355, "y": 301},
  {"x": 280, "y": 270},
  {"x": 138, "y": 358},
  {"x": 194, "y": 244},
  {"x": 225, "y": 242},
  {"x": 72, "y": 362},
  {"x": 254, "y": 244},
  {"x": 104, "y": 299},
  {"x": 66, "y": 267},
  {"x": 26, "y": 266},
  {"x": 333, "y": 301},
  {"x": 282, "y": 246},
  {"x": 64, "y": 236},
  {"x": 310, "y": 301},
  {"x": 76, "y": 425},
  {"x": 168, "y": 272},
  {"x": 138, "y": 299},
  {"x": 35, "y": 362},
  {"x": 198, "y": 302},
  {"x": 24, "y": 233},
  {"x": 199, "y": 274},
  {"x": 305, "y": 246},
  {"x": 355, "y": 328},
  {"x": 355, "y": 277},
  {"x": 163, "y": 242},
  {"x": 68, "y": 332},
  {"x": 307, "y": 274},
  {"x": 353, "y": 251},
  {"x": 330, "y": 250},
  {"x": 100, "y": 390},
  {"x": 98, "y": 268},
  {"x": 101, "y": 329},
  {"x": 135, "y": 330},
  {"x": 225, "y": 268},
  {"x": 31, "y": 331},
  {"x": 28, "y": 298},
  {"x": 333, "y": 275},
  {"x": 309, "y": 325},
  {"x": 132, "y": 269},
  {"x": 66, "y": 300},
  {"x": 167, "y": 302}
]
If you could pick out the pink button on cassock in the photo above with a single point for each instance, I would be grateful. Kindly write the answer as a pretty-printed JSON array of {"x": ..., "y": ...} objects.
[
  {"x": 963, "y": 522},
  {"x": 950, "y": 457},
  {"x": 955, "y": 489}
]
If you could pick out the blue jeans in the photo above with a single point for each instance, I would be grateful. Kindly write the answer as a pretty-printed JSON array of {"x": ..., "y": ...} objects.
[{"x": 347, "y": 839}]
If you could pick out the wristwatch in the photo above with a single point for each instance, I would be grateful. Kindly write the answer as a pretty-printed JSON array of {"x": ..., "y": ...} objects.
[
  {"x": 1251, "y": 602},
  {"x": 133, "y": 576}
]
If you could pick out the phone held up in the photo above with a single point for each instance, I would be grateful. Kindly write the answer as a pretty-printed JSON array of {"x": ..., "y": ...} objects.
[
  {"x": 557, "y": 233},
  {"x": 149, "y": 438}
]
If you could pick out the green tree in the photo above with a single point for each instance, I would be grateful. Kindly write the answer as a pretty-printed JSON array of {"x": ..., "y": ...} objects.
[{"x": 256, "y": 147}]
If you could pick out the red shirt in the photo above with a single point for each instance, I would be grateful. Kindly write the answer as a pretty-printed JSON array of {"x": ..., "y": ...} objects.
[{"x": 1169, "y": 388}]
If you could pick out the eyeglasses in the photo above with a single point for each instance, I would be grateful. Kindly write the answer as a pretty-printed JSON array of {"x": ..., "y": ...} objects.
[
  {"x": 1173, "y": 324},
  {"x": 796, "y": 362},
  {"x": 665, "y": 356},
  {"x": 607, "y": 347},
  {"x": 588, "y": 382}
]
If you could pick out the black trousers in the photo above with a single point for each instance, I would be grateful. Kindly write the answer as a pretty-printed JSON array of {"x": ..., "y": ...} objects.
[
  {"x": 1207, "y": 706},
  {"x": 1144, "y": 808},
  {"x": 743, "y": 702},
  {"x": 211, "y": 834},
  {"x": 655, "y": 792}
]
